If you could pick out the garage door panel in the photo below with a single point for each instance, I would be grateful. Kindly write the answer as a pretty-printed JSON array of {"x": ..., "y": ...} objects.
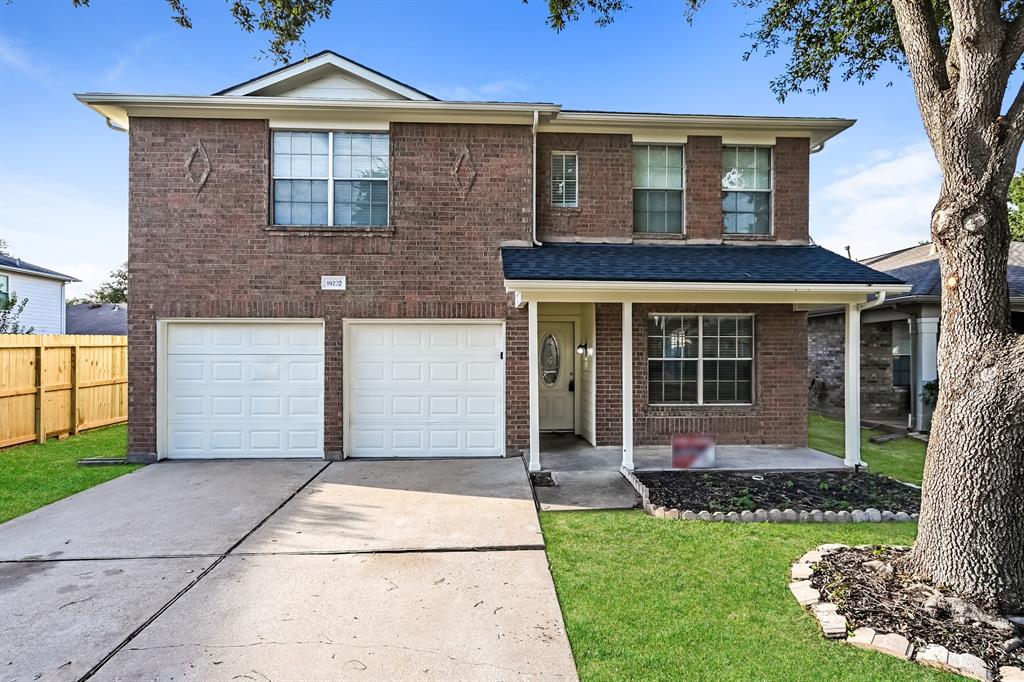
[
  {"x": 425, "y": 389},
  {"x": 244, "y": 338},
  {"x": 244, "y": 390}
]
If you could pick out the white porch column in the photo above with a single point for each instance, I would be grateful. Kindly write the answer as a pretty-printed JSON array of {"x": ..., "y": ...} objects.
[
  {"x": 852, "y": 377},
  {"x": 627, "y": 386},
  {"x": 534, "y": 379},
  {"x": 925, "y": 359}
]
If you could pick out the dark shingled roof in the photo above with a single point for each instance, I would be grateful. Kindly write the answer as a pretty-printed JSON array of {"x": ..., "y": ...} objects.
[
  {"x": 97, "y": 318},
  {"x": 763, "y": 263},
  {"x": 919, "y": 267},
  {"x": 18, "y": 264}
]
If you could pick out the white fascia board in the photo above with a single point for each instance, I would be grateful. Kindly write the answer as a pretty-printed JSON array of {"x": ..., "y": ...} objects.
[
  {"x": 118, "y": 108},
  {"x": 42, "y": 275},
  {"x": 676, "y": 127},
  {"x": 334, "y": 60},
  {"x": 711, "y": 292}
]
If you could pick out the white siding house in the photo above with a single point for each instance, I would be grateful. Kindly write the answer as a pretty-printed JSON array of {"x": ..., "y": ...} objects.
[{"x": 44, "y": 290}]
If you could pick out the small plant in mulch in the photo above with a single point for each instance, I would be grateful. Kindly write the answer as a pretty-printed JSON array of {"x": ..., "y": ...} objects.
[
  {"x": 802, "y": 491},
  {"x": 872, "y": 589},
  {"x": 542, "y": 479}
]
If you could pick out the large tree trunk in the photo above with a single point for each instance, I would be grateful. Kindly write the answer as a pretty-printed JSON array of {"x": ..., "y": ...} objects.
[{"x": 971, "y": 534}]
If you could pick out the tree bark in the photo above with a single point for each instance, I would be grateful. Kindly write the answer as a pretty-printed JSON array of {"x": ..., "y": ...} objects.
[{"x": 971, "y": 533}]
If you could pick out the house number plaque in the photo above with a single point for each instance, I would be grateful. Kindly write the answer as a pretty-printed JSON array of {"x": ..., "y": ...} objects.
[{"x": 332, "y": 282}]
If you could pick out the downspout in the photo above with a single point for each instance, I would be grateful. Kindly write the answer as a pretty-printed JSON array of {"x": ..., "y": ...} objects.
[
  {"x": 873, "y": 303},
  {"x": 533, "y": 202}
]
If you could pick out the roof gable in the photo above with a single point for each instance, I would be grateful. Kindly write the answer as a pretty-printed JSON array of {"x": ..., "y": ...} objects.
[{"x": 327, "y": 75}]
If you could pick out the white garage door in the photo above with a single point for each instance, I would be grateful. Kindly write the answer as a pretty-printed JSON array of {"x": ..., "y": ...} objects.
[
  {"x": 250, "y": 389},
  {"x": 425, "y": 389}
]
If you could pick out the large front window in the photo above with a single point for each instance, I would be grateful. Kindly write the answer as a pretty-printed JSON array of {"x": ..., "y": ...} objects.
[
  {"x": 331, "y": 178},
  {"x": 747, "y": 190},
  {"x": 658, "y": 189},
  {"x": 700, "y": 359}
]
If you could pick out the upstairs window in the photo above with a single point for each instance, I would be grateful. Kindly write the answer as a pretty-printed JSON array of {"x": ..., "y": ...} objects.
[
  {"x": 747, "y": 190},
  {"x": 564, "y": 179},
  {"x": 700, "y": 359},
  {"x": 331, "y": 178},
  {"x": 4, "y": 288},
  {"x": 658, "y": 189}
]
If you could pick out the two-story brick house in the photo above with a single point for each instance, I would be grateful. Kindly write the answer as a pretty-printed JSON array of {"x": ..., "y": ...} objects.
[{"x": 327, "y": 262}]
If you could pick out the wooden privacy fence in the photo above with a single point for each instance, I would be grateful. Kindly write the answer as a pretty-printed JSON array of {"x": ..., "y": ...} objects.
[{"x": 57, "y": 384}]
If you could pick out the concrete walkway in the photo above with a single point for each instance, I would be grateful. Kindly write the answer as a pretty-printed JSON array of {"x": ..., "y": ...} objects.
[{"x": 285, "y": 570}]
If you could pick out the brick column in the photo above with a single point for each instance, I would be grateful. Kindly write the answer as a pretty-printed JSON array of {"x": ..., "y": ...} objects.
[
  {"x": 704, "y": 187},
  {"x": 792, "y": 197}
]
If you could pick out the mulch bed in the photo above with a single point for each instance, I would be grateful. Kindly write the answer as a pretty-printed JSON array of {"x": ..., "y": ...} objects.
[
  {"x": 801, "y": 491},
  {"x": 888, "y": 599},
  {"x": 542, "y": 479}
]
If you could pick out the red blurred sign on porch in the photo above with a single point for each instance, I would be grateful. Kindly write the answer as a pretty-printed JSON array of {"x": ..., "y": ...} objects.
[{"x": 693, "y": 450}]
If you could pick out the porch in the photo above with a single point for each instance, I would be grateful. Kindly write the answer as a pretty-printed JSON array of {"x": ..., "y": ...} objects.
[
  {"x": 723, "y": 327},
  {"x": 566, "y": 452}
]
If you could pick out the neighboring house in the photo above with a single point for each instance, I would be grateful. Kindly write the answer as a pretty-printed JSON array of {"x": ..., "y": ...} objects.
[
  {"x": 97, "y": 318},
  {"x": 899, "y": 340},
  {"x": 43, "y": 288},
  {"x": 327, "y": 262}
]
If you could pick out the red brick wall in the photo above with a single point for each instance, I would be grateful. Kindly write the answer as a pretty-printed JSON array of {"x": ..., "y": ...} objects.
[
  {"x": 213, "y": 256},
  {"x": 792, "y": 160},
  {"x": 704, "y": 187},
  {"x": 608, "y": 381},
  {"x": 605, "y": 187},
  {"x": 778, "y": 415}
]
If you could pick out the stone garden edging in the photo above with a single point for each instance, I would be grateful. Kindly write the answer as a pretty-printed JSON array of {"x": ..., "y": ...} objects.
[
  {"x": 869, "y": 515},
  {"x": 834, "y": 626}
]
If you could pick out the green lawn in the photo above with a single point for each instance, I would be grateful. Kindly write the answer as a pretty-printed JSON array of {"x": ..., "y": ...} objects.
[
  {"x": 650, "y": 599},
  {"x": 32, "y": 476},
  {"x": 902, "y": 458}
]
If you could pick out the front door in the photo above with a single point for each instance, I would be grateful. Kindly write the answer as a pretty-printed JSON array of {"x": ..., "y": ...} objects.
[{"x": 557, "y": 378}]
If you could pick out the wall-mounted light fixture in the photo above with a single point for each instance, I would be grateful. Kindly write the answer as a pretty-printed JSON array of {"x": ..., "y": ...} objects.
[{"x": 582, "y": 349}]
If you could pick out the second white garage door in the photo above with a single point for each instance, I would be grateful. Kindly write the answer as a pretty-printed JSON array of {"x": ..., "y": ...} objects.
[{"x": 424, "y": 389}]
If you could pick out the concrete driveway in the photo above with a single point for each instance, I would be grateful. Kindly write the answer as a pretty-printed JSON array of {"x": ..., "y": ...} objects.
[{"x": 285, "y": 571}]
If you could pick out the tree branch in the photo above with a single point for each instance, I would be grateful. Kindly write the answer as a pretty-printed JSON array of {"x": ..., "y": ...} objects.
[
  {"x": 1013, "y": 45},
  {"x": 919, "y": 32},
  {"x": 1015, "y": 125}
]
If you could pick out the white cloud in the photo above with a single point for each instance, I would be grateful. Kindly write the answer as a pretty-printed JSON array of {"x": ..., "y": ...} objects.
[
  {"x": 64, "y": 228},
  {"x": 878, "y": 206},
  {"x": 495, "y": 90},
  {"x": 18, "y": 59},
  {"x": 117, "y": 69}
]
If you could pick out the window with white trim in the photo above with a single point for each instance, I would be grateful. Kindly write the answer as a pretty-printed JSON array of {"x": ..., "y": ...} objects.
[
  {"x": 747, "y": 190},
  {"x": 564, "y": 179},
  {"x": 658, "y": 189},
  {"x": 330, "y": 178},
  {"x": 700, "y": 359},
  {"x": 5, "y": 284},
  {"x": 900, "y": 355}
]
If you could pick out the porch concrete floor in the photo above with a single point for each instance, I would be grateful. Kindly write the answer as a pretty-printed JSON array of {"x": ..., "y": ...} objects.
[
  {"x": 568, "y": 452},
  {"x": 587, "y": 477}
]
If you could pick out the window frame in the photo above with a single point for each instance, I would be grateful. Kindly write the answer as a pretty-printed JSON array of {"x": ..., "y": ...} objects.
[
  {"x": 700, "y": 360},
  {"x": 770, "y": 191},
  {"x": 909, "y": 354},
  {"x": 330, "y": 179},
  {"x": 576, "y": 161},
  {"x": 682, "y": 188}
]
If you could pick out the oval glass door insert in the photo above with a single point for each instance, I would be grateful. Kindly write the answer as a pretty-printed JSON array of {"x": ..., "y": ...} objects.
[{"x": 550, "y": 360}]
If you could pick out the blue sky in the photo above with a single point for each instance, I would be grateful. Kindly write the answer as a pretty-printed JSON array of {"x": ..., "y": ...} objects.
[{"x": 63, "y": 173}]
